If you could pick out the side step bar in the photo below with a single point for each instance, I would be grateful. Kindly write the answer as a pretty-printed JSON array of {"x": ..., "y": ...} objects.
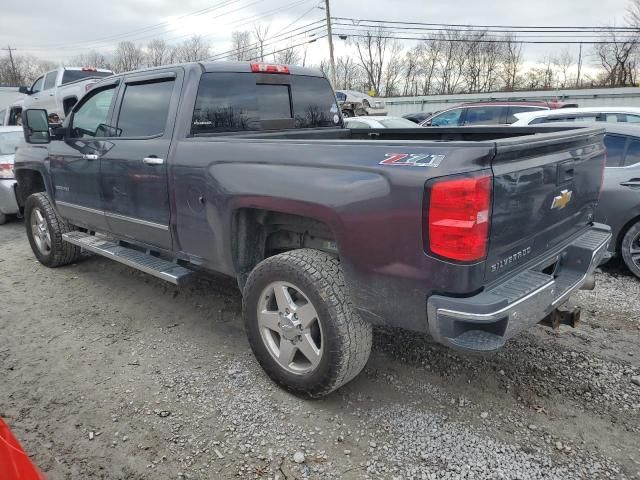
[{"x": 155, "y": 266}]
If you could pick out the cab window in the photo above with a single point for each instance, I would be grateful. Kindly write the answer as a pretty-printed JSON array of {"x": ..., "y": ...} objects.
[
  {"x": 37, "y": 85},
  {"x": 145, "y": 108},
  {"x": 447, "y": 119},
  {"x": 50, "y": 80},
  {"x": 91, "y": 118}
]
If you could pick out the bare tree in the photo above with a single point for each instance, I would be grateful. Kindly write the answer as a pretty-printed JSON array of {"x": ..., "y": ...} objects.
[
  {"x": 349, "y": 75},
  {"x": 91, "y": 59},
  {"x": 372, "y": 54},
  {"x": 260, "y": 33},
  {"x": 452, "y": 61},
  {"x": 393, "y": 70},
  {"x": 242, "y": 46},
  {"x": 512, "y": 58},
  {"x": 24, "y": 70},
  {"x": 288, "y": 56},
  {"x": 563, "y": 64},
  {"x": 618, "y": 58},
  {"x": 193, "y": 50},
  {"x": 128, "y": 56},
  {"x": 158, "y": 53}
]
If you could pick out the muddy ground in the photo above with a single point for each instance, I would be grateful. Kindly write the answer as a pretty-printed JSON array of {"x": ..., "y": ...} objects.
[{"x": 108, "y": 373}]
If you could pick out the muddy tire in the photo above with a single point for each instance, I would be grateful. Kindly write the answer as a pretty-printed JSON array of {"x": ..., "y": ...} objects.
[
  {"x": 301, "y": 325},
  {"x": 44, "y": 231},
  {"x": 630, "y": 249}
]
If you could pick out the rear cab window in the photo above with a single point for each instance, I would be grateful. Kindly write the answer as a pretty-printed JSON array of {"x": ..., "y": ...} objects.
[
  {"x": 72, "y": 75},
  {"x": 236, "y": 102}
]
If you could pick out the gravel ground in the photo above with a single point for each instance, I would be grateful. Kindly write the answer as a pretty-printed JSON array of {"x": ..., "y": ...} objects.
[{"x": 108, "y": 373}]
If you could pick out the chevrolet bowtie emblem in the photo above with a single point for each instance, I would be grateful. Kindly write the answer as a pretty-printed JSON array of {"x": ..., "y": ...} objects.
[{"x": 562, "y": 200}]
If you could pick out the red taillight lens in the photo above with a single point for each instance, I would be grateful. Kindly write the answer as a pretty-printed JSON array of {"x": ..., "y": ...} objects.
[
  {"x": 458, "y": 218},
  {"x": 6, "y": 170},
  {"x": 269, "y": 68}
]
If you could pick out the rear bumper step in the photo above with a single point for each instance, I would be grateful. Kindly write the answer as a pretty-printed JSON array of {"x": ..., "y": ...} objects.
[
  {"x": 483, "y": 323},
  {"x": 155, "y": 266}
]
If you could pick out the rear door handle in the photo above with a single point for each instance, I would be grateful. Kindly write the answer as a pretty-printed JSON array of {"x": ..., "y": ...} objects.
[
  {"x": 90, "y": 156},
  {"x": 153, "y": 161},
  {"x": 634, "y": 182}
]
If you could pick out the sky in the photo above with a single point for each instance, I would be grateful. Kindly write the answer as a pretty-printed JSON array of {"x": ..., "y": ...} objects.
[{"x": 57, "y": 31}]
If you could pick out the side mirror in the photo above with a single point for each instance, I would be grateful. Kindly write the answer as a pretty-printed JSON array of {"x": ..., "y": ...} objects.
[
  {"x": 36, "y": 126},
  {"x": 24, "y": 90}
]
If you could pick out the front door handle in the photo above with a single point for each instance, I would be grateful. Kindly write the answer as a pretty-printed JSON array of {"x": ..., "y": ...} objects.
[
  {"x": 153, "y": 161},
  {"x": 90, "y": 156}
]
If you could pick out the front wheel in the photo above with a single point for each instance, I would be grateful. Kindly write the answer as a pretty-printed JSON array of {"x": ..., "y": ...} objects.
[
  {"x": 631, "y": 249},
  {"x": 301, "y": 325},
  {"x": 44, "y": 231}
]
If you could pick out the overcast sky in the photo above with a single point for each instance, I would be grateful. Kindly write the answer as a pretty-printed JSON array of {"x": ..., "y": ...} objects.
[{"x": 59, "y": 30}]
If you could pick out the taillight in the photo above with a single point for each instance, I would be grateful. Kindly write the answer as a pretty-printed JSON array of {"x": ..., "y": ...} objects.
[
  {"x": 457, "y": 218},
  {"x": 269, "y": 68},
  {"x": 6, "y": 170}
]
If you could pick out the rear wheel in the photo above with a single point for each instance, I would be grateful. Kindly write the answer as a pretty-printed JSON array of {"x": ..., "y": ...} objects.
[
  {"x": 631, "y": 249},
  {"x": 44, "y": 231},
  {"x": 301, "y": 325}
]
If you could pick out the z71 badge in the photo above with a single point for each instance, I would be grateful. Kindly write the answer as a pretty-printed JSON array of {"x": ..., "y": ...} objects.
[{"x": 412, "y": 160}]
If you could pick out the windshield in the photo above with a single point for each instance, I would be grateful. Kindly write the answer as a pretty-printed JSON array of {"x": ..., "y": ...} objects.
[
  {"x": 9, "y": 141},
  {"x": 397, "y": 123},
  {"x": 72, "y": 75}
]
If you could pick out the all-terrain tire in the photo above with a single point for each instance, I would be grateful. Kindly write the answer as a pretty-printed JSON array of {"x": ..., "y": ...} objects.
[
  {"x": 347, "y": 338},
  {"x": 60, "y": 252},
  {"x": 631, "y": 247}
]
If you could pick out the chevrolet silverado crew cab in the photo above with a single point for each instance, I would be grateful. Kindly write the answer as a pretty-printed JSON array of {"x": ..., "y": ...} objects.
[
  {"x": 58, "y": 91},
  {"x": 472, "y": 235}
]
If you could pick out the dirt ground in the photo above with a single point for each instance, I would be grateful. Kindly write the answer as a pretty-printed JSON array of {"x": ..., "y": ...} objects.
[{"x": 108, "y": 373}]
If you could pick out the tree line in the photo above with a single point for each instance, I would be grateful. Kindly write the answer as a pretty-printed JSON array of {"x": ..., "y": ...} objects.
[{"x": 456, "y": 61}]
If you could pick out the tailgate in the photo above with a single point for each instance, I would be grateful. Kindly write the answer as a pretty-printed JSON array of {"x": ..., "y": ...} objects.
[{"x": 545, "y": 191}]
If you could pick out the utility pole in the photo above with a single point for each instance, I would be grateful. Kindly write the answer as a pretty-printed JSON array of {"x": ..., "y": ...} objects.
[
  {"x": 332, "y": 59},
  {"x": 14, "y": 72},
  {"x": 579, "y": 67}
]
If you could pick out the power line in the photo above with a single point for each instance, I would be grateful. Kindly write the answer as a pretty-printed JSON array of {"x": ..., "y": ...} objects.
[
  {"x": 468, "y": 40},
  {"x": 513, "y": 27},
  {"x": 314, "y": 31}
]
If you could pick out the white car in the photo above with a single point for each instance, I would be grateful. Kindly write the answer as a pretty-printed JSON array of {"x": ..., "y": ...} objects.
[
  {"x": 583, "y": 114},
  {"x": 352, "y": 100},
  {"x": 10, "y": 137},
  {"x": 379, "y": 122}
]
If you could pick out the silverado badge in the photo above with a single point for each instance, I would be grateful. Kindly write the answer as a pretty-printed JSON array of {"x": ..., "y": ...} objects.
[{"x": 562, "y": 200}]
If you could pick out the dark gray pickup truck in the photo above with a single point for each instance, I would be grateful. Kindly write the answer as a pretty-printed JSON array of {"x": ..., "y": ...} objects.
[{"x": 472, "y": 235}]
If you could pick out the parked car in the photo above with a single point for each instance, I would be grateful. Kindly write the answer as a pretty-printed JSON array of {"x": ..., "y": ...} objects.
[
  {"x": 584, "y": 114},
  {"x": 417, "y": 117},
  {"x": 359, "y": 104},
  {"x": 487, "y": 113},
  {"x": 58, "y": 91},
  {"x": 245, "y": 170},
  {"x": 12, "y": 114},
  {"x": 379, "y": 122},
  {"x": 10, "y": 137}
]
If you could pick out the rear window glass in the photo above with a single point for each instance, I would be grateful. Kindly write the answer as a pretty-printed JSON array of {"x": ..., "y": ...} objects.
[
  {"x": 72, "y": 75},
  {"x": 615, "y": 149},
  {"x": 633, "y": 153},
  {"x": 232, "y": 102},
  {"x": 484, "y": 116},
  {"x": 521, "y": 109},
  {"x": 274, "y": 102}
]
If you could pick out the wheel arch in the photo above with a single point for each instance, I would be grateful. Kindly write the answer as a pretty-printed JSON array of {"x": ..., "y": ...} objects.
[
  {"x": 257, "y": 234},
  {"x": 30, "y": 181}
]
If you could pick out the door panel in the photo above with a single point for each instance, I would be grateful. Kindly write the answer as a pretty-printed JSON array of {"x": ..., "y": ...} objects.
[
  {"x": 134, "y": 181},
  {"x": 75, "y": 161}
]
